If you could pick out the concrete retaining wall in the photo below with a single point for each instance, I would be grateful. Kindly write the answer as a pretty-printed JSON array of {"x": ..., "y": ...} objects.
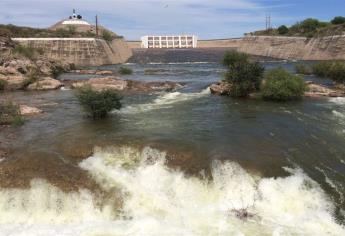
[
  {"x": 81, "y": 51},
  {"x": 296, "y": 48}
]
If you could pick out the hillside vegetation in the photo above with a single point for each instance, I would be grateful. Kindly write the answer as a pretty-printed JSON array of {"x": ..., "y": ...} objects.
[
  {"x": 69, "y": 32},
  {"x": 308, "y": 28}
]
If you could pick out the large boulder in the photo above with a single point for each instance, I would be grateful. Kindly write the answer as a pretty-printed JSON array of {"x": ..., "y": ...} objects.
[
  {"x": 13, "y": 82},
  {"x": 46, "y": 83},
  {"x": 99, "y": 84},
  {"x": 29, "y": 111},
  {"x": 317, "y": 90},
  {"x": 221, "y": 88}
]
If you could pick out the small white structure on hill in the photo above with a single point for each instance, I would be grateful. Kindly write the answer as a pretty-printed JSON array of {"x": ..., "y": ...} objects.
[
  {"x": 75, "y": 20},
  {"x": 178, "y": 41}
]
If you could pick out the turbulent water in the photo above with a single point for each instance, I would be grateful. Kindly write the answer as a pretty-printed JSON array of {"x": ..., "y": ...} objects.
[{"x": 177, "y": 163}]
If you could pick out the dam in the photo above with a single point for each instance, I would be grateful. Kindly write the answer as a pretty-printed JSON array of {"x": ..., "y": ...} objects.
[
  {"x": 80, "y": 51},
  {"x": 280, "y": 47}
]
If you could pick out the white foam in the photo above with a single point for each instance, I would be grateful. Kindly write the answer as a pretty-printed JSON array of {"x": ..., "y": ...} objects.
[
  {"x": 164, "y": 101},
  {"x": 339, "y": 100},
  {"x": 160, "y": 201}
]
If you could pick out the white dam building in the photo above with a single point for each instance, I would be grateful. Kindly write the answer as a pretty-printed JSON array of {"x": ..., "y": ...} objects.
[{"x": 178, "y": 41}]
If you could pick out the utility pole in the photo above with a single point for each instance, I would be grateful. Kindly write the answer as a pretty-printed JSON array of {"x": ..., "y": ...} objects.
[{"x": 96, "y": 25}]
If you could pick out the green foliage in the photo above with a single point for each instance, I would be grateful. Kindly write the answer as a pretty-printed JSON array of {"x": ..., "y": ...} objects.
[
  {"x": 10, "y": 114},
  {"x": 233, "y": 57},
  {"x": 337, "y": 71},
  {"x": 3, "y": 84},
  {"x": 32, "y": 77},
  {"x": 322, "y": 68},
  {"x": 280, "y": 85},
  {"x": 57, "y": 70},
  {"x": 98, "y": 103},
  {"x": 27, "y": 52},
  {"x": 244, "y": 77},
  {"x": 303, "y": 69},
  {"x": 125, "y": 70},
  {"x": 283, "y": 29},
  {"x": 338, "y": 20},
  {"x": 107, "y": 36}
]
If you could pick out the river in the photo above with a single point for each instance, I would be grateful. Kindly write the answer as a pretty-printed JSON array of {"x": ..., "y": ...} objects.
[{"x": 176, "y": 163}]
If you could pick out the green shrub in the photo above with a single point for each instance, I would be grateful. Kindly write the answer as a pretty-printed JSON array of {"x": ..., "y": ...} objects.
[
  {"x": 244, "y": 77},
  {"x": 337, "y": 72},
  {"x": 233, "y": 57},
  {"x": 27, "y": 52},
  {"x": 280, "y": 85},
  {"x": 98, "y": 103},
  {"x": 283, "y": 29},
  {"x": 303, "y": 69},
  {"x": 10, "y": 114},
  {"x": 107, "y": 36},
  {"x": 338, "y": 20},
  {"x": 322, "y": 68},
  {"x": 3, "y": 84},
  {"x": 125, "y": 71},
  {"x": 57, "y": 70}
]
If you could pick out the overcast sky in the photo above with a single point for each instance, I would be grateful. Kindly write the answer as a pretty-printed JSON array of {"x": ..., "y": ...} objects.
[{"x": 205, "y": 18}]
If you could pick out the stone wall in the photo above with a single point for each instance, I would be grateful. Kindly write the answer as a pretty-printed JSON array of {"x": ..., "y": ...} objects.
[
  {"x": 295, "y": 48},
  {"x": 81, "y": 51},
  {"x": 219, "y": 43}
]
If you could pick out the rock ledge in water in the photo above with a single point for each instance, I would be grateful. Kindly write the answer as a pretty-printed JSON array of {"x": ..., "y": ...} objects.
[
  {"x": 46, "y": 83},
  {"x": 28, "y": 111}
]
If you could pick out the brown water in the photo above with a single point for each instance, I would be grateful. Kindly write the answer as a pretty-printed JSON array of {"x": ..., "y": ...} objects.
[{"x": 181, "y": 163}]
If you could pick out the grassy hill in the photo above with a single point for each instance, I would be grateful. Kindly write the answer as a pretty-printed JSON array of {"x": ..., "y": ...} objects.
[{"x": 307, "y": 28}]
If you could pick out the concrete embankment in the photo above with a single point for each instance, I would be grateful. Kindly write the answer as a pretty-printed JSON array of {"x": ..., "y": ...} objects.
[
  {"x": 81, "y": 51},
  {"x": 293, "y": 48}
]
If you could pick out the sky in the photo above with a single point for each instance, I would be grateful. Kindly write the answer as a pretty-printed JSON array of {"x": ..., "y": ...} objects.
[{"x": 208, "y": 19}]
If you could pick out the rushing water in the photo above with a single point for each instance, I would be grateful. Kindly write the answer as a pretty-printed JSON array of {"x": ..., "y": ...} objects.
[{"x": 177, "y": 163}]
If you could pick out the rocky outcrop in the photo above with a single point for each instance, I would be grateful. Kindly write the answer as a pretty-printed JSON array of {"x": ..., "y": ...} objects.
[
  {"x": 317, "y": 90},
  {"x": 93, "y": 72},
  {"x": 294, "y": 48},
  {"x": 29, "y": 111},
  {"x": 46, "y": 83},
  {"x": 118, "y": 84},
  {"x": 220, "y": 88}
]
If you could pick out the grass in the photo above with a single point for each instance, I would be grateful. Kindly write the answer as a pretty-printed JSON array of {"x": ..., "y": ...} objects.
[
  {"x": 97, "y": 104},
  {"x": 10, "y": 114}
]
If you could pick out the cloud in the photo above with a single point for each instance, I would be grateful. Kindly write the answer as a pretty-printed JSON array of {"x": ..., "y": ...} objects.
[{"x": 133, "y": 18}]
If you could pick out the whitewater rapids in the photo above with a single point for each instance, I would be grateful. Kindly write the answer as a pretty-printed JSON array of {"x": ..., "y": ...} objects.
[{"x": 157, "y": 200}]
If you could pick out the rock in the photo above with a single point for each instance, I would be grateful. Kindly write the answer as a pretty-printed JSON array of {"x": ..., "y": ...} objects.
[
  {"x": 27, "y": 111},
  {"x": 103, "y": 83},
  {"x": 13, "y": 81},
  {"x": 317, "y": 90},
  {"x": 220, "y": 88},
  {"x": 47, "y": 83},
  {"x": 115, "y": 83},
  {"x": 104, "y": 72}
]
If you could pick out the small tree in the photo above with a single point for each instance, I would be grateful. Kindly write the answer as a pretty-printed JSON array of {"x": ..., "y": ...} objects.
[
  {"x": 280, "y": 85},
  {"x": 338, "y": 20},
  {"x": 303, "y": 69},
  {"x": 244, "y": 77},
  {"x": 233, "y": 57},
  {"x": 283, "y": 29},
  {"x": 125, "y": 70},
  {"x": 98, "y": 103}
]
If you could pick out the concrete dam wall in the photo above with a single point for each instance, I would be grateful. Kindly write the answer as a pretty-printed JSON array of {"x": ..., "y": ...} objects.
[
  {"x": 295, "y": 48},
  {"x": 81, "y": 51}
]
